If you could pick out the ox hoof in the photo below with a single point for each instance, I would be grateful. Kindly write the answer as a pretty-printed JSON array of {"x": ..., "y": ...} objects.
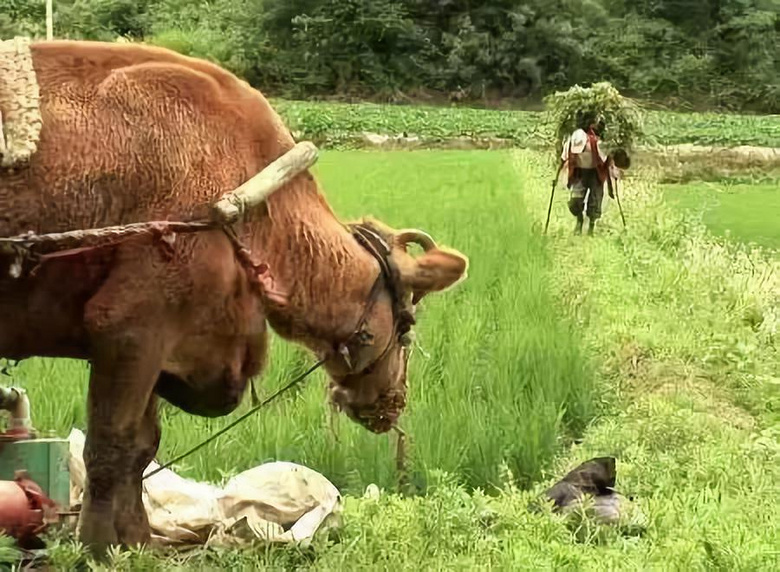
[
  {"x": 96, "y": 528},
  {"x": 133, "y": 534},
  {"x": 97, "y": 537}
]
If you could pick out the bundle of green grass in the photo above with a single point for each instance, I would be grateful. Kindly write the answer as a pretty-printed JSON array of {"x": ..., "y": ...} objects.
[{"x": 618, "y": 116}]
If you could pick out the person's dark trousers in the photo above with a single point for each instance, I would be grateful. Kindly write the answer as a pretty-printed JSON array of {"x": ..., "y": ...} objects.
[{"x": 586, "y": 181}]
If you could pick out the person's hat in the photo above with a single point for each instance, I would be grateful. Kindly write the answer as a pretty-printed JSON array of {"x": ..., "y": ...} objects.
[{"x": 578, "y": 140}]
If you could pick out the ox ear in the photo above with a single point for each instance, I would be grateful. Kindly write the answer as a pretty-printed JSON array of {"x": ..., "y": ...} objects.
[{"x": 434, "y": 271}]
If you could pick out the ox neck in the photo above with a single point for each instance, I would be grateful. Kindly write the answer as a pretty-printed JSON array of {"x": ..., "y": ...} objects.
[{"x": 315, "y": 259}]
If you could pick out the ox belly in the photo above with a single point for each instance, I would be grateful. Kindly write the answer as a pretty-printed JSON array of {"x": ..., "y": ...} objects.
[
  {"x": 213, "y": 384},
  {"x": 216, "y": 399}
]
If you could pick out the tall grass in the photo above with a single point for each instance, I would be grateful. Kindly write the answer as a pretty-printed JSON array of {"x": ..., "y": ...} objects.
[{"x": 499, "y": 378}]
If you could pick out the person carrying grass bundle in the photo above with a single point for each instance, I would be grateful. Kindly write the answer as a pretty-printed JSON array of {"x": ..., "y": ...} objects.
[
  {"x": 589, "y": 167},
  {"x": 588, "y": 170},
  {"x": 581, "y": 120}
]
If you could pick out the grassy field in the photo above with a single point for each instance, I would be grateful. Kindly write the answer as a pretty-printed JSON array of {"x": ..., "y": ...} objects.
[
  {"x": 337, "y": 124},
  {"x": 656, "y": 344},
  {"x": 744, "y": 212}
]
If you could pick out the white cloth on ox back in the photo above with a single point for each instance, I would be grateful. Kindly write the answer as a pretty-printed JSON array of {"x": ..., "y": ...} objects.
[
  {"x": 20, "y": 113},
  {"x": 275, "y": 502}
]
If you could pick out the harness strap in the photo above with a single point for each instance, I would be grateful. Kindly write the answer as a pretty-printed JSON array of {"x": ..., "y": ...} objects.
[
  {"x": 388, "y": 276},
  {"x": 381, "y": 251},
  {"x": 376, "y": 246}
]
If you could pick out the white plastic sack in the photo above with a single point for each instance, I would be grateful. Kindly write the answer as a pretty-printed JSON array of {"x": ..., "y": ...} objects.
[{"x": 275, "y": 502}]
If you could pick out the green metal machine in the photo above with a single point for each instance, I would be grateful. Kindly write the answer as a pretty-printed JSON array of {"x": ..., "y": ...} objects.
[{"x": 44, "y": 460}]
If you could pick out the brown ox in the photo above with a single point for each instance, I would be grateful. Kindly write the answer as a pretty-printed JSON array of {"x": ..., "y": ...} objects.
[{"x": 134, "y": 133}]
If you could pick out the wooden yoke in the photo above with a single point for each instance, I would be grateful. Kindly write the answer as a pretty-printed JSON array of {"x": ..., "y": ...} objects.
[{"x": 233, "y": 205}]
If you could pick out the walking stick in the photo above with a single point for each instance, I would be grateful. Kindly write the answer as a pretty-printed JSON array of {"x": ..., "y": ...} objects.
[
  {"x": 552, "y": 194},
  {"x": 620, "y": 208}
]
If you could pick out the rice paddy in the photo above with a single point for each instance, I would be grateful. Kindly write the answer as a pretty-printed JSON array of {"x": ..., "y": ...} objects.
[{"x": 748, "y": 213}]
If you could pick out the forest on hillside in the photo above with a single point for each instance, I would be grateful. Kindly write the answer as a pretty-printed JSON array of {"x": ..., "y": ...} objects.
[{"x": 718, "y": 54}]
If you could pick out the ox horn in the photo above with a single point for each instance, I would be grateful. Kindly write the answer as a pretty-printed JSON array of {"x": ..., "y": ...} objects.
[
  {"x": 233, "y": 205},
  {"x": 344, "y": 351},
  {"x": 408, "y": 235}
]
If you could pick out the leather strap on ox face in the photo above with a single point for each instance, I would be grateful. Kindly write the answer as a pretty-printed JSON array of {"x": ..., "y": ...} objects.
[{"x": 388, "y": 277}]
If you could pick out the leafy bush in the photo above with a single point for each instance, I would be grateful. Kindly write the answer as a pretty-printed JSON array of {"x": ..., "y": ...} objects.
[
  {"x": 350, "y": 44},
  {"x": 229, "y": 34},
  {"x": 691, "y": 54}
]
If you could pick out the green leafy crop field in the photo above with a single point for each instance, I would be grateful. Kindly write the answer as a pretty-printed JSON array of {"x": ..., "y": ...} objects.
[{"x": 339, "y": 123}]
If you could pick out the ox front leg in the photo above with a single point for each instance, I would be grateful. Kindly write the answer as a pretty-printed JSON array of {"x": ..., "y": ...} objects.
[
  {"x": 132, "y": 524},
  {"x": 122, "y": 436}
]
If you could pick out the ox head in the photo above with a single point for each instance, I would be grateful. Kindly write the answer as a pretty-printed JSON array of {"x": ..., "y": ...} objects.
[
  {"x": 368, "y": 367},
  {"x": 368, "y": 370}
]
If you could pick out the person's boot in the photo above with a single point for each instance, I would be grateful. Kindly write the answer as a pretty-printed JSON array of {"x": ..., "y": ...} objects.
[
  {"x": 591, "y": 226},
  {"x": 578, "y": 227}
]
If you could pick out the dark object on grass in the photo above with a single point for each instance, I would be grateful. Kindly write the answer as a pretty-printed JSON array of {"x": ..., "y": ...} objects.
[
  {"x": 594, "y": 478},
  {"x": 587, "y": 494}
]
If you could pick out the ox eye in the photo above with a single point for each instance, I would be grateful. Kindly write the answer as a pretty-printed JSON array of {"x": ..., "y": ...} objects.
[{"x": 365, "y": 338}]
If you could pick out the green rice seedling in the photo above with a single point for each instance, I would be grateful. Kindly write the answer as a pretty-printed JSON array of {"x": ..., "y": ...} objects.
[{"x": 743, "y": 212}]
